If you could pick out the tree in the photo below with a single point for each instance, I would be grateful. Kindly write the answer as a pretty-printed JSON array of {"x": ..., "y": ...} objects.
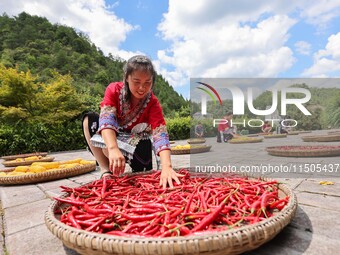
[{"x": 22, "y": 97}]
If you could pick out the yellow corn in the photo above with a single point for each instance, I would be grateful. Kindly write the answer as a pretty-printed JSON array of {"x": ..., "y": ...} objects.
[
  {"x": 71, "y": 161},
  {"x": 47, "y": 165},
  {"x": 37, "y": 169},
  {"x": 33, "y": 158},
  {"x": 23, "y": 169},
  {"x": 86, "y": 162},
  {"x": 15, "y": 173},
  {"x": 69, "y": 165}
]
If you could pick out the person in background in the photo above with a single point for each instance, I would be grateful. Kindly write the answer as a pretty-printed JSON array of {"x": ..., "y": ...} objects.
[
  {"x": 225, "y": 130},
  {"x": 199, "y": 130},
  {"x": 130, "y": 122},
  {"x": 281, "y": 128},
  {"x": 266, "y": 127}
]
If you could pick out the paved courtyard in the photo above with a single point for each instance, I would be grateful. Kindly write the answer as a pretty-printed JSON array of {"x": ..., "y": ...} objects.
[{"x": 314, "y": 230}]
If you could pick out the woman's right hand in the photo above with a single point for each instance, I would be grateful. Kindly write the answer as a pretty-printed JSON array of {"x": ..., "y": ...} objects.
[{"x": 116, "y": 161}]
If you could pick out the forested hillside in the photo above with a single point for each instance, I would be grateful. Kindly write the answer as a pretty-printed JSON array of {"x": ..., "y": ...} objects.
[
  {"x": 324, "y": 106},
  {"x": 32, "y": 43}
]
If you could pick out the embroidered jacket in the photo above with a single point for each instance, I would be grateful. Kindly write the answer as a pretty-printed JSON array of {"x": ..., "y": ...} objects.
[{"x": 147, "y": 116}]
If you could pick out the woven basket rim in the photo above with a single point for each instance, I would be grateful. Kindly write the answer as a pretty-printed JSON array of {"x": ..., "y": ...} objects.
[
  {"x": 293, "y": 133},
  {"x": 275, "y": 136},
  {"x": 12, "y": 157},
  {"x": 253, "y": 140},
  {"x": 29, "y": 162},
  {"x": 46, "y": 176},
  {"x": 193, "y": 150},
  {"x": 278, "y": 220},
  {"x": 322, "y": 138},
  {"x": 333, "y": 132},
  {"x": 275, "y": 150}
]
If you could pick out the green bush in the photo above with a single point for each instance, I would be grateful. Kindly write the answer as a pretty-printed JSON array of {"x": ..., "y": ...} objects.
[
  {"x": 23, "y": 137},
  {"x": 178, "y": 128}
]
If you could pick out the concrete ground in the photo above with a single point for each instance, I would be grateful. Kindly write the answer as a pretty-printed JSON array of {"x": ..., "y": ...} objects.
[{"x": 314, "y": 230}]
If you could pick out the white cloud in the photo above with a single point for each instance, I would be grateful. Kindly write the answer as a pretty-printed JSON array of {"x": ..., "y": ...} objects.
[
  {"x": 320, "y": 12},
  {"x": 326, "y": 61},
  {"x": 92, "y": 17},
  {"x": 222, "y": 43},
  {"x": 242, "y": 39},
  {"x": 303, "y": 47}
]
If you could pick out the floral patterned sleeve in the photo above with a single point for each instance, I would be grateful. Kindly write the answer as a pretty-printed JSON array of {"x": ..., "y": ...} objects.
[
  {"x": 160, "y": 134},
  {"x": 108, "y": 108}
]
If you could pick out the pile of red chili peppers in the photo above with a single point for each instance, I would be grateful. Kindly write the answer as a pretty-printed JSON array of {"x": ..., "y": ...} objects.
[{"x": 135, "y": 205}]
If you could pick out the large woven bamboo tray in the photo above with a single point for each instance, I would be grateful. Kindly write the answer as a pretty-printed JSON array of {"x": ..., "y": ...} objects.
[
  {"x": 263, "y": 133},
  {"x": 233, "y": 241},
  {"x": 193, "y": 150},
  {"x": 196, "y": 140},
  {"x": 27, "y": 162},
  {"x": 321, "y": 138},
  {"x": 304, "y": 131},
  {"x": 245, "y": 140},
  {"x": 275, "y": 136},
  {"x": 13, "y": 157},
  {"x": 336, "y": 132},
  {"x": 304, "y": 151},
  {"x": 293, "y": 133},
  {"x": 45, "y": 176}
]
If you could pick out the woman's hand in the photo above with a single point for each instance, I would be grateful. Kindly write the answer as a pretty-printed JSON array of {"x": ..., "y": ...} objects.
[
  {"x": 167, "y": 175},
  {"x": 116, "y": 161}
]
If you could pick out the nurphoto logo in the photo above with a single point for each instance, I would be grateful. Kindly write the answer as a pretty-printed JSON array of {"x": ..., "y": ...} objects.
[{"x": 239, "y": 98}]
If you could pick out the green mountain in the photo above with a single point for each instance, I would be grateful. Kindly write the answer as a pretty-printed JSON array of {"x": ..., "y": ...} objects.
[
  {"x": 32, "y": 43},
  {"x": 324, "y": 106}
]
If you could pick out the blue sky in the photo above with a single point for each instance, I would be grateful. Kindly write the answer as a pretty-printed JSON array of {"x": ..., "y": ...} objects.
[{"x": 201, "y": 38}]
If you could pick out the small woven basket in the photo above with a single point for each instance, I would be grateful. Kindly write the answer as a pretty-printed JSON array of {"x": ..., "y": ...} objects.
[
  {"x": 45, "y": 176},
  {"x": 249, "y": 140},
  {"x": 275, "y": 136},
  {"x": 192, "y": 150},
  {"x": 233, "y": 241},
  {"x": 13, "y": 157},
  {"x": 321, "y": 138},
  {"x": 253, "y": 135},
  {"x": 304, "y": 151},
  {"x": 293, "y": 133},
  {"x": 196, "y": 140},
  {"x": 26, "y": 163}
]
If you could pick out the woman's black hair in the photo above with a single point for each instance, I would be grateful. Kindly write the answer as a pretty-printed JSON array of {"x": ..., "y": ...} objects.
[
  {"x": 137, "y": 63},
  {"x": 228, "y": 113}
]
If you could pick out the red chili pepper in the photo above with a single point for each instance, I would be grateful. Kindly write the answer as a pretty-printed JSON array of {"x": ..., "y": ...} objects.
[
  {"x": 137, "y": 218},
  {"x": 264, "y": 201},
  {"x": 97, "y": 211},
  {"x": 69, "y": 201},
  {"x": 141, "y": 210},
  {"x": 207, "y": 220},
  {"x": 72, "y": 220},
  {"x": 95, "y": 225}
]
